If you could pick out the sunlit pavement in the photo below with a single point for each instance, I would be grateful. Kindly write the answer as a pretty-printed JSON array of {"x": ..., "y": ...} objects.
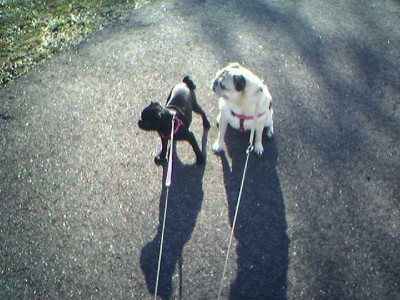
[{"x": 82, "y": 200}]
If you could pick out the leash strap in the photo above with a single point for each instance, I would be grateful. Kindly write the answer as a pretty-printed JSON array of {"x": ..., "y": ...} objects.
[
  {"x": 251, "y": 140},
  {"x": 248, "y": 150},
  {"x": 167, "y": 184},
  {"x": 234, "y": 220},
  {"x": 180, "y": 123},
  {"x": 169, "y": 171}
]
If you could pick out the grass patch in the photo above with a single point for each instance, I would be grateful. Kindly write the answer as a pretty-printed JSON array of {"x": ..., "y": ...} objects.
[{"x": 32, "y": 31}]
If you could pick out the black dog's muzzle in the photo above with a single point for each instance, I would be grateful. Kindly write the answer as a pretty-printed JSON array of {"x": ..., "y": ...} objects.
[{"x": 143, "y": 124}]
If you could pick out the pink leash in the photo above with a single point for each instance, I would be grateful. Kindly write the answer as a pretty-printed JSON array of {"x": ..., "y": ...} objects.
[
  {"x": 169, "y": 170},
  {"x": 167, "y": 184}
]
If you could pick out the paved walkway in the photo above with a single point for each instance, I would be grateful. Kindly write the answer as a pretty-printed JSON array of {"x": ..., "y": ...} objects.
[{"x": 81, "y": 199}]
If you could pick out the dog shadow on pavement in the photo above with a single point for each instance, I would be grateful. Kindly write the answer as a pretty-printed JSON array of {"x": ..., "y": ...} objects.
[
  {"x": 260, "y": 230},
  {"x": 184, "y": 203}
]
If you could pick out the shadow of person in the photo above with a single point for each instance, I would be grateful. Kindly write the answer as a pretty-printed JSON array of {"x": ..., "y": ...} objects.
[
  {"x": 260, "y": 230},
  {"x": 184, "y": 203}
]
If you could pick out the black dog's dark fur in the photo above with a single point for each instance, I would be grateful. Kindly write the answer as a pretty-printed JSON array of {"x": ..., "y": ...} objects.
[{"x": 181, "y": 100}]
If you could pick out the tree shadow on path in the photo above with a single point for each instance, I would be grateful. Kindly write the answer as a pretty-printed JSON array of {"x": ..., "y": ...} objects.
[
  {"x": 260, "y": 231},
  {"x": 184, "y": 203}
]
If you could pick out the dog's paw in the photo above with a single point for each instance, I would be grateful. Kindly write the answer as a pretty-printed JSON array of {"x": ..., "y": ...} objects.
[
  {"x": 159, "y": 159},
  {"x": 259, "y": 149},
  {"x": 217, "y": 148},
  {"x": 270, "y": 132}
]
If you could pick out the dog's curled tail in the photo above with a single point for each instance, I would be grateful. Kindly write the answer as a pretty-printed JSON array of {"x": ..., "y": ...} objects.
[{"x": 189, "y": 82}]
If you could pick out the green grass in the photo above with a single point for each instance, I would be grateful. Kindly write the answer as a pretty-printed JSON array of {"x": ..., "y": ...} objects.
[{"x": 32, "y": 30}]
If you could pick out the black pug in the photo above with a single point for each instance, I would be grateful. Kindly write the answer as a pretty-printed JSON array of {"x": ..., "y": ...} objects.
[{"x": 180, "y": 102}]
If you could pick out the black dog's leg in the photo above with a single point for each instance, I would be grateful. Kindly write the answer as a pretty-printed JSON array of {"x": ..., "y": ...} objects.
[
  {"x": 199, "y": 155},
  {"x": 161, "y": 156},
  {"x": 197, "y": 109}
]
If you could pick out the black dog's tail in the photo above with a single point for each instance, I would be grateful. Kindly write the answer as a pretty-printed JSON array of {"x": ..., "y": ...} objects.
[{"x": 189, "y": 82}]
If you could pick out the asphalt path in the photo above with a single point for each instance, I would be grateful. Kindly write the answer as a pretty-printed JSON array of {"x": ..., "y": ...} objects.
[{"x": 82, "y": 200}]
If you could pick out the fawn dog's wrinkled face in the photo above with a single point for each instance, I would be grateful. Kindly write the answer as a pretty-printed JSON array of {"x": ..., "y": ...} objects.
[
  {"x": 229, "y": 82},
  {"x": 235, "y": 83}
]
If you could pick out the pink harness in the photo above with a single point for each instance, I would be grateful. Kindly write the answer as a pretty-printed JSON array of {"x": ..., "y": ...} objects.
[
  {"x": 178, "y": 125},
  {"x": 243, "y": 118}
]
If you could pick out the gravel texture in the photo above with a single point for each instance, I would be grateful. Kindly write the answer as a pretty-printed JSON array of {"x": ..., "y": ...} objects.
[{"x": 81, "y": 200}]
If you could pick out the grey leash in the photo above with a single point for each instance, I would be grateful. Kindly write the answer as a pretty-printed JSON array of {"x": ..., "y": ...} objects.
[{"x": 248, "y": 150}]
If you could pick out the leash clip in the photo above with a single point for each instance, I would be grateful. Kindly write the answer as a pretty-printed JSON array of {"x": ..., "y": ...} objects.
[{"x": 249, "y": 149}]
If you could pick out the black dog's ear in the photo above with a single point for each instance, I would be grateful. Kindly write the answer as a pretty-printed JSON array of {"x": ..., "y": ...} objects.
[
  {"x": 189, "y": 82},
  {"x": 240, "y": 82},
  {"x": 153, "y": 103},
  {"x": 154, "y": 106}
]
